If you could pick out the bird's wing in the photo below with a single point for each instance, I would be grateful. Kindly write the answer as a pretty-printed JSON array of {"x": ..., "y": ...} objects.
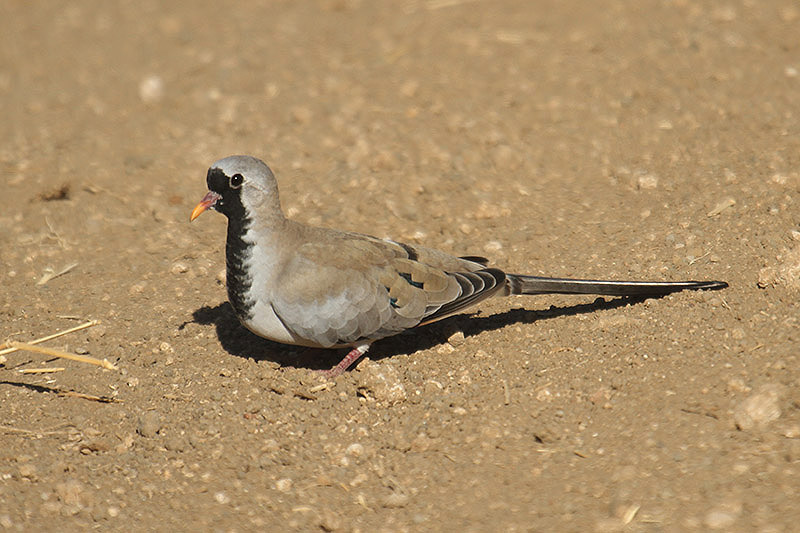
[{"x": 342, "y": 288}]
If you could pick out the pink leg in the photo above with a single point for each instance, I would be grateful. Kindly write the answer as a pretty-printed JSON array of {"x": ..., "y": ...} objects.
[{"x": 353, "y": 356}]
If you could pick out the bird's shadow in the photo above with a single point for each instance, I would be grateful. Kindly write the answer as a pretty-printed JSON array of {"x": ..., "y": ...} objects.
[{"x": 239, "y": 341}]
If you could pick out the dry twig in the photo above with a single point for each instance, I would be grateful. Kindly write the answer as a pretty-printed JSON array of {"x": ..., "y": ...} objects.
[{"x": 105, "y": 363}]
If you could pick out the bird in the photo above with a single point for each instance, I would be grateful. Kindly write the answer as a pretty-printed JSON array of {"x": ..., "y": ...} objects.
[{"x": 311, "y": 286}]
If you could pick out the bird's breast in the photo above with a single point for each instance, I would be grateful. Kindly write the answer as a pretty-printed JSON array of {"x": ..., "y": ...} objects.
[{"x": 264, "y": 322}]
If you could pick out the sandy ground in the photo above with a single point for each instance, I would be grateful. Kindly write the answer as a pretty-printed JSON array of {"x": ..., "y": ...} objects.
[{"x": 623, "y": 139}]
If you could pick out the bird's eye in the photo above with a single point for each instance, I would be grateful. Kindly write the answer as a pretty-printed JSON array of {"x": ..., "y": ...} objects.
[{"x": 236, "y": 181}]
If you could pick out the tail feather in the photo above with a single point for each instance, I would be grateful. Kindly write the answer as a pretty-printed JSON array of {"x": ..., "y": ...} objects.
[{"x": 521, "y": 284}]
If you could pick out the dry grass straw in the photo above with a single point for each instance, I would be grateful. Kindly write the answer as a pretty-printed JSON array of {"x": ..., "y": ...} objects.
[
  {"x": 105, "y": 363},
  {"x": 85, "y": 325},
  {"x": 12, "y": 346},
  {"x": 44, "y": 370}
]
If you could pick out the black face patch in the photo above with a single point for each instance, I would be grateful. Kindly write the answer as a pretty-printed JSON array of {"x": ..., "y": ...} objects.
[{"x": 230, "y": 204}]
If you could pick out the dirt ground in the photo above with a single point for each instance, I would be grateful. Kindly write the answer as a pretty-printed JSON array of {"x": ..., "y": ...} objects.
[{"x": 623, "y": 139}]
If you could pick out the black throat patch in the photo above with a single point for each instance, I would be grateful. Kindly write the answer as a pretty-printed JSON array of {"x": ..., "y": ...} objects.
[
  {"x": 239, "y": 280},
  {"x": 237, "y": 250}
]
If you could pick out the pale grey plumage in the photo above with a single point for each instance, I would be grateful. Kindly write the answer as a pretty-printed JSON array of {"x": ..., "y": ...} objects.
[{"x": 311, "y": 286}]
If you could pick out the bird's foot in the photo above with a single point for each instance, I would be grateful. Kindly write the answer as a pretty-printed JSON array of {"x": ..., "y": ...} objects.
[{"x": 351, "y": 357}]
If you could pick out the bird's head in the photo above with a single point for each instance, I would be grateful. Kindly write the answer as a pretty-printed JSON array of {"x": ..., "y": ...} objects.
[{"x": 238, "y": 186}]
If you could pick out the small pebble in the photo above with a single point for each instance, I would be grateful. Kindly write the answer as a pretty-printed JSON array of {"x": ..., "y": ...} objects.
[
  {"x": 151, "y": 89},
  {"x": 647, "y": 181},
  {"x": 70, "y": 492},
  {"x": 283, "y": 485},
  {"x": 356, "y": 450},
  {"x": 395, "y": 500},
  {"x": 27, "y": 471},
  {"x": 457, "y": 338},
  {"x": 758, "y": 409},
  {"x": 149, "y": 424},
  {"x": 493, "y": 246},
  {"x": 381, "y": 382},
  {"x": 445, "y": 349},
  {"x": 137, "y": 288},
  {"x": 221, "y": 497},
  {"x": 723, "y": 516},
  {"x": 737, "y": 385},
  {"x": 179, "y": 268}
]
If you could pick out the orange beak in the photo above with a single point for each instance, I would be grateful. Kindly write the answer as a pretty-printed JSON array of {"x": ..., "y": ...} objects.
[{"x": 208, "y": 201}]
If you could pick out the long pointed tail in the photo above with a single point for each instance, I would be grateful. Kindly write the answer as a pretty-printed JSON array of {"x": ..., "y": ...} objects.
[{"x": 521, "y": 284}]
